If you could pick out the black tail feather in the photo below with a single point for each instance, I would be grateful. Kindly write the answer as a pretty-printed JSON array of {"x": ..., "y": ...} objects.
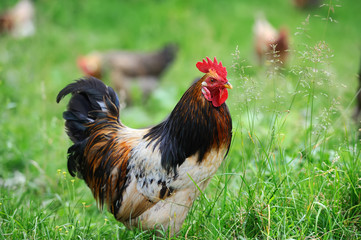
[
  {"x": 75, "y": 158},
  {"x": 91, "y": 99},
  {"x": 93, "y": 87}
]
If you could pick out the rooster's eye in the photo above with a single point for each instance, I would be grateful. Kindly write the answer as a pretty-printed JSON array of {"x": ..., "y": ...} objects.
[{"x": 212, "y": 80}]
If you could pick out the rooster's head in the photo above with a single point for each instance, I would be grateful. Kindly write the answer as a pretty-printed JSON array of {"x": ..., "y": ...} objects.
[{"x": 214, "y": 82}]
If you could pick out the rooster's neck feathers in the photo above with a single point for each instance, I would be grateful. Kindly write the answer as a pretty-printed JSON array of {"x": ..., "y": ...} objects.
[{"x": 194, "y": 126}]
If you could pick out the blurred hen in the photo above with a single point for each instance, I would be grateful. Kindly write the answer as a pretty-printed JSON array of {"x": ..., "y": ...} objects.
[
  {"x": 149, "y": 177},
  {"x": 270, "y": 45},
  {"x": 19, "y": 20},
  {"x": 307, "y": 3},
  {"x": 126, "y": 67}
]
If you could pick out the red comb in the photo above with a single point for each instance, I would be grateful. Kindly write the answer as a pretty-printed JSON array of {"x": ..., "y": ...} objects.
[{"x": 215, "y": 66}]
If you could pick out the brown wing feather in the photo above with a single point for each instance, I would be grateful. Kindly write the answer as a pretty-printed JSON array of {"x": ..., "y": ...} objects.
[{"x": 106, "y": 159}]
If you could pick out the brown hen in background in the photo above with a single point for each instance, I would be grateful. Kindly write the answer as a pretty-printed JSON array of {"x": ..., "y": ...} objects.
[
  {"x": 270, "y": 45},
  {"x": 19, "y": 20},
  {"x": 307, "y": 3},
  {"x": 126, "y": 68}
]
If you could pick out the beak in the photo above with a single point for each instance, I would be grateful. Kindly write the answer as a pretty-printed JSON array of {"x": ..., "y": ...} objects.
[{"x": 228, "y": 85}]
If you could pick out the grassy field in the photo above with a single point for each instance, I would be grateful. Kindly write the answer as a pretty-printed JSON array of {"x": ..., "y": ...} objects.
[{"x": 294, "y": 169}]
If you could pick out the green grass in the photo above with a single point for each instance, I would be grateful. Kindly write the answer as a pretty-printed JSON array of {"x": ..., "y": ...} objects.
[{"x": 293, "y": 171}]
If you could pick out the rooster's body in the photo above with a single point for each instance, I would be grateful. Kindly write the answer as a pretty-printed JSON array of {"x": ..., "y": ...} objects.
[
  {"x": 149, "y": 176},
  {"x": 126, "y": 67}
]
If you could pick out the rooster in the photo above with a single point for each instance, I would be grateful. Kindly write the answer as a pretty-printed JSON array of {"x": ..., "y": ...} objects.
[
  {"x": 124, "y": 67},
  {"x": 149, "y": 177},
  {"x": 269, "y": 44},
  {"x": 19, "y": 20}
]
